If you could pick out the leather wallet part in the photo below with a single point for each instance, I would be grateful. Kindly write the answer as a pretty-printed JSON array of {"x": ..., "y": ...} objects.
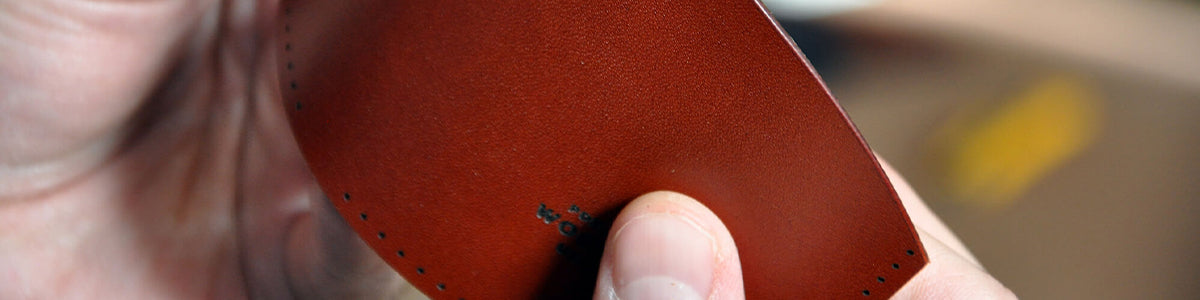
[{"x": 482, "y": 148}]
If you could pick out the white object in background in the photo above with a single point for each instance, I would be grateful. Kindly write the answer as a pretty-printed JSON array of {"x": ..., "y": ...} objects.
[
  {"x": 1156, "y": 39},
  {"x": 808, "y": 9}
]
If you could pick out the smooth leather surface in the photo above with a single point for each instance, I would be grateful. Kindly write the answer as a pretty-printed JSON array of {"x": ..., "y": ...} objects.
[{"x": 482, "y": 147}]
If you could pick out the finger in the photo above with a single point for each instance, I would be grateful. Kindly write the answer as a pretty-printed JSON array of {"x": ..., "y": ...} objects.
[
  {"x": 331, "y": 262},
  {"x": 665, "y": 245},
  {"x": 297, "y": 245},
  {"x": 325, "y": 259},
  {"x": 952, "y": 272},
  {"x": 950, "y": 275},
  {"x": 922, "y": 217}
]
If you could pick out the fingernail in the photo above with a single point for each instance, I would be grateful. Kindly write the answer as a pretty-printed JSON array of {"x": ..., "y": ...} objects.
[{"x": 662, "y": 256}]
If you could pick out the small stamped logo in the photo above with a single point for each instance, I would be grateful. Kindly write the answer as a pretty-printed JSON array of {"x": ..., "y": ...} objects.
[{"x": 578, "y": 226}]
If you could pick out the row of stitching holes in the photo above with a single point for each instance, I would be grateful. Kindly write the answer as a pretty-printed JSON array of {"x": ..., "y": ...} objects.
[
  {"x": 400, "y": 253},
  {"x": 895, "y": 266},
  {"x": 287, "y": 47}
]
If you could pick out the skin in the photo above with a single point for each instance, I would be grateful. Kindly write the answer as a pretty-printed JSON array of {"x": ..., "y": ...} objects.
[
  {"x": 952, "y": 272},
  {"x": 143, "y": 156}
]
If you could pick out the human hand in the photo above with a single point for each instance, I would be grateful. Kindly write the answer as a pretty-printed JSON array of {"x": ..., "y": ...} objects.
[
  {"x": 143, "y": 155},
  {"x": 666, "y": 245}
]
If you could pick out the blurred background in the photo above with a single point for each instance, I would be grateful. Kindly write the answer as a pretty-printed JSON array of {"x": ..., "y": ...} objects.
[{"x": 1057, "y": 138}]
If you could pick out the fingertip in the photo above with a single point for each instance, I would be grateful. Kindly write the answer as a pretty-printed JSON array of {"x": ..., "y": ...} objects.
[
  {"x": 919, "y": 213},
  {"x": 668, "y": 245},
  {"x": 950, "y": 275}
]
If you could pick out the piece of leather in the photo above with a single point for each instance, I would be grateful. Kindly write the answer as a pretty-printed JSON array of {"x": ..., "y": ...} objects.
[{"x": 492, "y": 142}]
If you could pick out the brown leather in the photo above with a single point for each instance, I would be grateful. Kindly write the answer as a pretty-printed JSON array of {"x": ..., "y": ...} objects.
[{"x": 492, "y": 142}]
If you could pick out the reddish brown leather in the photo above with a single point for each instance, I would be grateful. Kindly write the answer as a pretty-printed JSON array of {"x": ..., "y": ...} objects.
[{"x": 450, "y": 130}]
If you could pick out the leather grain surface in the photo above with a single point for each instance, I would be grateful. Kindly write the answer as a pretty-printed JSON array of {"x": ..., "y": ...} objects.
[{"x": 483, "y": 147}]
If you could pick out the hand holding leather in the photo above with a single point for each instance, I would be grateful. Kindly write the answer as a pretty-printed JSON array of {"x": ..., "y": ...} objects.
[{"x": 952, "y": 273}]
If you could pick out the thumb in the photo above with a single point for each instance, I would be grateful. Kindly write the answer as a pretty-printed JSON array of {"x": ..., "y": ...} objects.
[{"x": 665, "y": 245}]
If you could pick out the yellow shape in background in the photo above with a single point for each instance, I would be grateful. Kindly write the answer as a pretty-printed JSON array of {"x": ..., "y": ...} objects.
[{"x": 995, "y": 157}]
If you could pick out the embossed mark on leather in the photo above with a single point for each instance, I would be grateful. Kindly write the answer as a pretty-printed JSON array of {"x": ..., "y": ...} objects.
[{"x": 584, "y": 232}]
